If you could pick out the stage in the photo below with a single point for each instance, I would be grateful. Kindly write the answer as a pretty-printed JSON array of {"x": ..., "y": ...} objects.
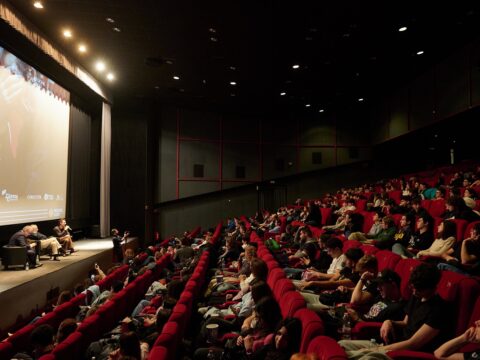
[{"x": 22, "y": 291}]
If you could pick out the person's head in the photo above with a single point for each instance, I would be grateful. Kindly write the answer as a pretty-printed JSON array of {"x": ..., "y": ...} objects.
[
  {"x": 406, "y": 221},
  {"x": 466, "y": 183},
  {"x": 260, "y": 289},
  {"x": 288, "y": 335},
  {"x": 42, "y": 337},
  {"x": 34, "y": 228},
  {"x": 416, "y": 203},
  {"x": 64, "y": 296},
  {"x": 352, "y": 256},
  {"x": 305, "y": 233},
  {"x": 440, "y": 193},
  {"x": 323, "y": 239},
  {"x": 250, "y": 253},
  {"x": 377, "y": 216},
  {"x": 470, "y": 193},
  {"x": 65, "y": 328},
  {"x": 114, "y": 232},
  {"x": 388, "y": 222},
  {"x": 79, "y": 288},
  {"x": 117, "y": 286},
  {"x": 27, "y": 230},
  {"x": 424, "y": 280},
  {"x": 447, "y": 229},
  {"x": 62, "y": 222},
  {"x": 334, "y": 247},
  {"x": 259, "y": 269},
  {"x": 424, "y": 223},
  {"x": 368, "y": 263},
  {"x": 268, "y": 314},
  {"x": 311, "y": 250},
  {"x": 455, "y": 204},
  {"x": 475, "y": 231},
  {"x": 129, "y": 253},
  {"x": 130, "y": 345},
  {"x": 389, "y": 285}
]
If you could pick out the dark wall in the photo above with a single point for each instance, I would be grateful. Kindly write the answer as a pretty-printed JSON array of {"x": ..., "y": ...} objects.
[{"x": 201, "y": 152}]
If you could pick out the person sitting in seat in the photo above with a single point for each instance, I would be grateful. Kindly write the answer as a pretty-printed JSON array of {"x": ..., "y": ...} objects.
[
  {"x": 20, "y": 239},
  {"x": 51, "y": 244},
  {"x": 63, "y": 236},
  {"x": 451, "y": 349}
]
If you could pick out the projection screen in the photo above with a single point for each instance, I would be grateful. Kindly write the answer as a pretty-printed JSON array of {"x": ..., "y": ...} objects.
[{"x": 34, "y": 126}]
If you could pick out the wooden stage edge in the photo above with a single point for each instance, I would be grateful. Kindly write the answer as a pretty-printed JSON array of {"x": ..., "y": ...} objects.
[{"x": 22, "y": 292}]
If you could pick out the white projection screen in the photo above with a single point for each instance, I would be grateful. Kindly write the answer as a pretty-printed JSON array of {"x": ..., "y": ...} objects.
[{"x": 34, "y": 126}]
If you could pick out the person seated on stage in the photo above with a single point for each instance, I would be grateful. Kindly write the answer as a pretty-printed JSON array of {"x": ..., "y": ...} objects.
[
  {"x": 63, "y": 236},
  {"x": 43, "y": 243},
  {"x": 118, "y": 241},
  {"x": 20, "y": 239}
]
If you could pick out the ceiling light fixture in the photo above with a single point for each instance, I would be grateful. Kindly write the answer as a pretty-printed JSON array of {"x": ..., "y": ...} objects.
[
  {"x": 307, "y": 105},
  {"x": 110, "y": 77},
  {"x": 38, "y": 4},
  {"x": 296, "y": 66},
  {"x": 360, "y": 99},
  {"x": 82, "y": 48},
  {"x": 116, "y": 29},
  {"x": 403, "y": 28},
  {"x": 420, "y": 52},
  {"x": 110, "y": 20},
  {"x": 100, "y": 66},
  {"x": 283, "y": 93},
  {"x": 321, "y": 110},
  {"x": 67, "y": 33},
  {"x": 233, "y": 83},
  {"x": 214, "y": 39},
  {"x": 175, "y": 77}
]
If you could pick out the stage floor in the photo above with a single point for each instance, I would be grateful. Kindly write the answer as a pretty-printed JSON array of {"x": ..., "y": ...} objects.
[{"x": 24, "y": 291}]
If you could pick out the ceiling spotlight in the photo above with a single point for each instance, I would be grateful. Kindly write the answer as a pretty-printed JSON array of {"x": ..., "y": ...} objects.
[
  {"x": 82, "y": 48},
  {"x": 212, "y": 30},
  {"x": 38, "y": 4},
  {"x": 233, "y": 68},
  {"x": 110, "y": 77},
  {"x": 307, "y": 105},
  {"x": 233, "y": 83},
  {"x": 110, "y": 20},
  {"x": 296, "y": 66},
  {"x": 175, "y": 77},
  {"x": 100, "y": 66},
  {"x": 403, "y": 28},
  {"x": 283, "y": 93},
  {"x": 67, "y": 33},
  {"x": 420, "y": 52},
  {"x": 116, "y": 29},
  {"x": 232, "y": 95},
  {"x": 321, "y": 110},
  {"x": 360, "y": 99}
]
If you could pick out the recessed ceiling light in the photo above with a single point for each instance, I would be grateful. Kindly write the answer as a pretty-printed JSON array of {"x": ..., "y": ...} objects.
[
  {"x": 233, "y": 68},
  {"x": 233, "y": 83},
  {"x": 82, "y": 48},
  {"x": 116, "y": 29},
  {"x": 420, "y": 52},
  {"x": 204, "y": 81},
  {"x": 169, "y": 62},
  {"x": 232, "y": 95},
  {"x": 38, "y": 4},
  {"x": 321, "y": 110},
  {"x": 307, "y": 105},
  {"x": 67, "y": 33},
  {"x": 212, "y": 30},
  {"x": 110, "y": 77},
  {"x": 360, "y": 99},
  {"x": 214, "y": 39},
  {"x": 157, "y": 87},
  {"x": 296, "y": 66},
  {"x": 175, "y": 77},
  {"x": 100, "y": 66},
  {"x": 283, "y": 93},
  {"x": 403, "y": 28},
  {"x": 110, "y": 20}
]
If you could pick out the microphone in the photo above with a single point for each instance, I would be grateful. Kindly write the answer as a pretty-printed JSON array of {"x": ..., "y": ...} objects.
[{"x": 68, "y": 228}]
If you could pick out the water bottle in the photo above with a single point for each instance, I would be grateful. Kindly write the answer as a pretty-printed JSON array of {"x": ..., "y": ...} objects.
[
  {"x": 346, "y": 327},
  {"x": 210, "y": 355},
  {"x": 27, "y": 266},
  {"x": 223, "y": 263}
]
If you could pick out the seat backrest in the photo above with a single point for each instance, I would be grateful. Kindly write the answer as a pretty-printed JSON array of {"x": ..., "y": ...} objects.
[
  {"x": 349, "y": 244},
  {"x": 396, "y": 219},
  {"x": 159, "y": 353},
  {"x": 395, "y": 195},
  {"x": 461, "y": 226},
  {"x": 369, "y": 249},
  {"x": 468, "y": 229},
  {"x": 360, "y": 205},
  {"x": 290, "y": 303},
  {"x": 404, "y": 268},
  {"x": 326, "y": 215},
  {"x": 281, "y": 287},
  {"x": 387, "y": 260},
  {"x": 312, "y": 326},
  {"x": 367, "y": 220},
  {"x": 437, "y": 208},
  {"x": 275, "y": 275},
  {"x": 325, "y": 347}
]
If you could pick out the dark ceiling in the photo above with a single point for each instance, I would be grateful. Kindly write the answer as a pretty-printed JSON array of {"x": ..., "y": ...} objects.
[{"x": 346, "y": 50}]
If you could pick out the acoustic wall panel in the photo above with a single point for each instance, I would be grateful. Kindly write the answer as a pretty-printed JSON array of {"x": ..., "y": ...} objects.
[
  {"x": 452, "y": 84},
  {"x": 201, "y": 153},
  {"x": 246, "y": 155},
  {"x": 318, "y": 130},
  {"x": 422, "y": 101},
  {"x": 399, "y": 113},
  {"x": 273, "y": 156},
  {"x": 306, "y": 155},
  {"x": 236, "y": 128},
  {"x": 199, "y": 124}
]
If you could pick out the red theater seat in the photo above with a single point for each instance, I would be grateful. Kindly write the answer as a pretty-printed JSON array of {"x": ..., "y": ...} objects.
[
  {"x": 290, "y": 303},
  {"x": 312, "y": 326},
  {"x": 326, "y": 348},
  {"x": 387, "y": 260},
  {"x": 159, "y": 353}
]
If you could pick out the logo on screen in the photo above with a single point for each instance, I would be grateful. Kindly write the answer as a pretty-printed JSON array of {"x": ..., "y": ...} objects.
[{"x": 9, "y": 197}]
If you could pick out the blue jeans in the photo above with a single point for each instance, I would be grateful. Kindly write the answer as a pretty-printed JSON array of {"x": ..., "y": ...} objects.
[{"x": 444, "y": 266}]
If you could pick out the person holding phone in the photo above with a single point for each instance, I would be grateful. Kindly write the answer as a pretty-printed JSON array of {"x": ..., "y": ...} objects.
[{"x": 118, "y": 242}]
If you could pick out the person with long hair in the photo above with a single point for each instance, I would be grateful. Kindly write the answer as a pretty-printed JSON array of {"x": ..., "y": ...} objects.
[{"x": 446, "y": 239}]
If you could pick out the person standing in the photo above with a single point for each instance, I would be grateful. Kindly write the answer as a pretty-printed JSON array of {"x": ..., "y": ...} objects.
[{"x": 118, "y": 241}]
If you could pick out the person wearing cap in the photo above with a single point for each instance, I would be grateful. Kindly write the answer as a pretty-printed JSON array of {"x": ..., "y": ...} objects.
[
  {"x": 388, "y": 305},
  {"x": 425, "y": 326}
]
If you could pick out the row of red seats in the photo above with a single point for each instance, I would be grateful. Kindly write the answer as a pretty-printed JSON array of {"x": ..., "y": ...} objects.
[
  {"x": 107, "y": 316},
  {"x": 21, "y": 339},
  {"x": 166, "y": 345},
  {"x": 192, "y": 235}
]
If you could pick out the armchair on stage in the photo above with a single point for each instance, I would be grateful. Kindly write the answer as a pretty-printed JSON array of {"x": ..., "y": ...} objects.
[{"x": 13, "y": 256}]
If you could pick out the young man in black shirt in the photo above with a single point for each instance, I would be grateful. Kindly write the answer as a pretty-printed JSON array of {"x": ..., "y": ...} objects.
[{"x": 421, "y": 240}]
